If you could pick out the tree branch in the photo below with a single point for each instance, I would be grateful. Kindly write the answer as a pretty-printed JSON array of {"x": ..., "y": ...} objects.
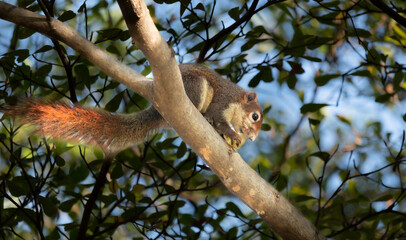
[
  {"x": 98, "y": 186},
  {"x": 173, "y": 104},
  {"x": 57, "y": 30},
  {"x": 391, "y": 13}
]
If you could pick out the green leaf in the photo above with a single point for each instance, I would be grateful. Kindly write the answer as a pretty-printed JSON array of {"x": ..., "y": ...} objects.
[
  {"x": 45, "y": 48},
  {"x": 183, "y": 5},
  {"x": 67, "y": 205},
  {"x": 313, "y": 59},
  {"x": 78, "y": 173},
  {"x": 24, "y": 3},
  {"x": 60, "y": 162},
  {"x": 234, "y": 13},
  {"x": 181, "y": 150},
  {"x": 232, "y": 233},
  {"x": 361, "y": 73},
  {"x": 397, "y": 79},
  {"x": 291, "y": 81},
  {"x": 255, "y": 80},
  {"x": 383, "y": 98},
  {"x": 108, "y": 34},
  {"x": 114, "y": 103},
  {"x": 302, "y": 198},
  {"x": 44, "y": 70},
  {"x": 324, "y": 79},
  {"x": 314, "y": 122},
  {"x": 25, "y": 33},
  {"x": 125, "y": 35},
  {"x": 21, "y": 54},
  {"x": 325, "y": 156},
  {"x": 311, "y": 107},
  {"x": 67, "y": 15},
  {"x": 265, "y": 127},
  {"x": 82, "y": 74},
  {"x": 18, "y": 186},
  {"x": 267, "y": 109},
  {"x": 362, "y": 33},
  {"x": 48, "y": 205},
  {"x": 233, "y": 208},
  {"x": 117, "y": 171}
]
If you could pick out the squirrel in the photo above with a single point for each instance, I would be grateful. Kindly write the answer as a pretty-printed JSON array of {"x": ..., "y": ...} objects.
[{"x": 222, "y": 103}]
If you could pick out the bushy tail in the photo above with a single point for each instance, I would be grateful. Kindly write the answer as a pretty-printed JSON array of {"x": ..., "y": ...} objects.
[{"x": 88, "y": 126}]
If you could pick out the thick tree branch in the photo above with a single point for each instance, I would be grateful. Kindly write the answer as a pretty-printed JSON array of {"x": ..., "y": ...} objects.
[
  {"x": 172, "y": 102},
  {"x": 57, "y": 30},
  {"x": 391, "y": 13}
]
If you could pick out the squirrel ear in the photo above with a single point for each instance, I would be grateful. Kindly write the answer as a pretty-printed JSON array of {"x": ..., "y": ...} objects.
[{"x": 250, "y": 96}]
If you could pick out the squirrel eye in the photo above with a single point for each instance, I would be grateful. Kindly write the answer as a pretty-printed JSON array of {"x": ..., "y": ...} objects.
[{"x": 255, "y": 116}]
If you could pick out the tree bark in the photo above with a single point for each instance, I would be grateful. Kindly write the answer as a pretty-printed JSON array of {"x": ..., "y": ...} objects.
[{"x": 167, "y": 94}]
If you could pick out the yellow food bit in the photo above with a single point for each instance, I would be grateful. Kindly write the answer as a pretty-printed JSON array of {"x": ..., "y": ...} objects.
[{"x": 233, "y": 144}]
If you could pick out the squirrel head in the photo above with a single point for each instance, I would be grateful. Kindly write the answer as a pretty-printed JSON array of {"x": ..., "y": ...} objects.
[{"x": 252, "y": 118}]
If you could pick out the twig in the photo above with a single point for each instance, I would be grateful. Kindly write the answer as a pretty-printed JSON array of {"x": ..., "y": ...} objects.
[{"x": 101, "y": 179}]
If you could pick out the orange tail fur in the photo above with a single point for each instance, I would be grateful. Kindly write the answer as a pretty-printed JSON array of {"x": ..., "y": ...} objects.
[{"x": 88, "y": 126}]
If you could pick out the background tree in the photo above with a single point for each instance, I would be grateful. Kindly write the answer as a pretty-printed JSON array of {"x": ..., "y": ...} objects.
[{"x": 331, "y": 69}]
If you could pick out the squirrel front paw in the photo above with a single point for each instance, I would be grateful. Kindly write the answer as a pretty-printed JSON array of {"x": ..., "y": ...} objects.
[{"x": 234, "y": 140}]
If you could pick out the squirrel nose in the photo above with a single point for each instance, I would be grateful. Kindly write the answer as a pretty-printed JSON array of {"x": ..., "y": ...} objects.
[{"x": 252, "y": 137}]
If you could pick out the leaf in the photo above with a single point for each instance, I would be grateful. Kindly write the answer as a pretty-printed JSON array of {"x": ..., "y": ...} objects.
[
  {"x": 125, "y": 35},
  {"x": 48, "y": 205},
  {"x": 18, "y": 186},
  {"x": 361, "y": 73},
  {"x": 114, "y": 103},
  {"x": 325, "y": 156},
  {"x": 314, "y": 122},
  {"x": 67, "y": 205},
  {"x": 265, "y": 127},
  {"x": 181, "y": 150},
  {"x": 45, "y": 48},
  {"x": 44, "y": 70},
  {"x": 234, "y": 208},
  {"x": 24, "y": 3},
  {"x": 255, "y": 80},
  {"x": 291, "y": 81},
  {"x": 60, "y": 162},
  {"x": 362, "y": 33},
  {"x": 234, "y": 13},
  {"x": 67, "y": 15},
  {"x": 25, "y": 33},
  {"x": 108, "y": 34},
  {"x": 117, "y": 171},
  {"x": 183, "y": 5},
  {"x": 82, "y": 74},
  {"x": 113, "y": 186},
  {"x": 267, "y": 109},
  {"x": 311, "y": 107},
  {"x": 21, "y": 54},
  {"x": 302, "y": 198},
  {"x": 313, "y": 59},
  {"x": 397, "y": 79},
  {"x": 383, "y": 98},
  {"x": 324, "y": 79}
]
